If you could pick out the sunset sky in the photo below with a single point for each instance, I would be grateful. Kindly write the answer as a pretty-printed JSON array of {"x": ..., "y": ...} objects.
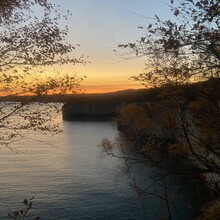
[{"x": 98, "y": 26}]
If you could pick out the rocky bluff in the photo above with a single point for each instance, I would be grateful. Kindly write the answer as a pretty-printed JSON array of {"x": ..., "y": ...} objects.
[{"x": 101, "y": 107}]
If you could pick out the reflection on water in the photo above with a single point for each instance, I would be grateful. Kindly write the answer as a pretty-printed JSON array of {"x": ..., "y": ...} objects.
[{"x": 68, "y": 178}]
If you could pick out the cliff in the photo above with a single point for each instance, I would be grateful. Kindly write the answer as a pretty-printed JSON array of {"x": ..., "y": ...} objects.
[
  {"x": 88, "y": 111},
  {"x": 100, "y": 107}
]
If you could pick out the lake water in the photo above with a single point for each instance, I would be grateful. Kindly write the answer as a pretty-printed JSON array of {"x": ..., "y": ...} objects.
[{"x": 69, "y": 178}]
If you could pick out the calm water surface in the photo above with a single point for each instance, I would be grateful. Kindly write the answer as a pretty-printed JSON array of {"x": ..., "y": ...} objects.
[{"x": 68, "y": 177}]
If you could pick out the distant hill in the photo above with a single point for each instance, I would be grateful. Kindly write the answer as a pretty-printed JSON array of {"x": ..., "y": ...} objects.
[
  {"x": 130, "y": 95},
  {"x": 64, "y": 98}
]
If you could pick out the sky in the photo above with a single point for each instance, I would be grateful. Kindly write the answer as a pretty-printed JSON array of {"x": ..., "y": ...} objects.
[{"x": 99, "y": 26}]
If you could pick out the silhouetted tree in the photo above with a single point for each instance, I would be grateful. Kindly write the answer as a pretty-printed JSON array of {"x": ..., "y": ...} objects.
[
  {"x": 179, "y": 51},
  {"x": 183, "y": 51},
  {"x": 32, "y": 47}
]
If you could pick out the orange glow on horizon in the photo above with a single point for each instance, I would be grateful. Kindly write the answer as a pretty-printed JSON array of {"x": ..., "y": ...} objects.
[
  {"x": 88, "y": 89},
  {"x": 106, "y": 84},
  {"x": 100, "y": 78}
]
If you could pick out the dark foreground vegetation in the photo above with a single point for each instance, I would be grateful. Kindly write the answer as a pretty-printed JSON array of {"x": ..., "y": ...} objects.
[
  {"x": 180, "y": 133},
  {"x": 179, "y": 136}
]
